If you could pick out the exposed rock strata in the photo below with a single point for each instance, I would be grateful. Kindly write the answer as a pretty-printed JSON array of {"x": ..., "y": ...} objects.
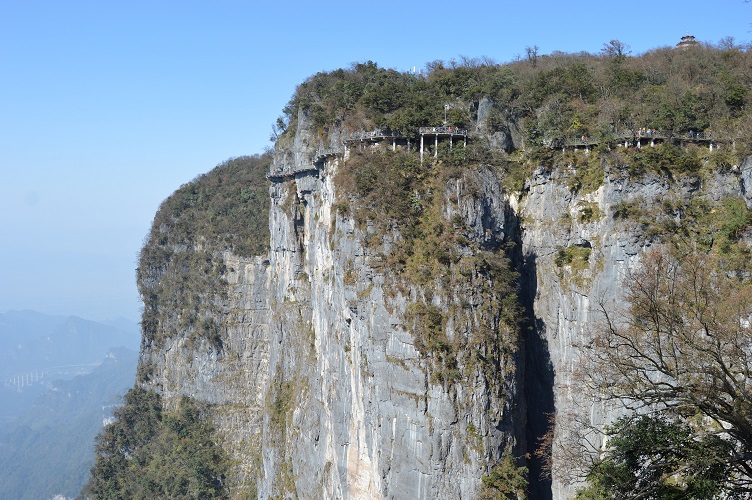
[{"x": 566, "y": 298}]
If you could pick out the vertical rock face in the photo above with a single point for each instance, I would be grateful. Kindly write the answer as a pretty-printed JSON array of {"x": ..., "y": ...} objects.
[
  {"x": 578, "y": 248},
  {"x": 320, "y": 390}
]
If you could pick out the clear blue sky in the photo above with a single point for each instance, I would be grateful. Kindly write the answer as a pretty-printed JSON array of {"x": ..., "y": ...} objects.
[{"x": 107, "y": 107}]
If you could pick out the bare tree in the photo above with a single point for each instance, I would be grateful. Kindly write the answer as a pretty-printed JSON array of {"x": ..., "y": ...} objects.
[
  {"x": 615, "y": 49},
  {"x": 532, "y": 55},
  {"x": 278, "y": 128},
  {"x": 683, "y": 347}
]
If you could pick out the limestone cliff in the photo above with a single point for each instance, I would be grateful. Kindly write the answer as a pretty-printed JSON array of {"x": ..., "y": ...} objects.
[
  {"x": 322, "y": 387},
  {"x": 578, "y": 248},
  {"x": 338, "y": 367},
  {"x": 333, "y": 376}
]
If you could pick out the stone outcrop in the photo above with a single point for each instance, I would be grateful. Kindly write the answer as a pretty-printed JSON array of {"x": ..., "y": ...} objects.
[{"x": 567, "y": 295}]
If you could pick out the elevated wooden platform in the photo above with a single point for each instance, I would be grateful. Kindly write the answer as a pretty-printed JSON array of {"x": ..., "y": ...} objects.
[
  {"x": 376, "y": 135},
  {"x": 443, "y": 131},
  {"x": 372, "y": 137}
]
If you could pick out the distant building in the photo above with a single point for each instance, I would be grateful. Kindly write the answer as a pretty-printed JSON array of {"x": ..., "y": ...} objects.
[{"x": 686, "y": 42}]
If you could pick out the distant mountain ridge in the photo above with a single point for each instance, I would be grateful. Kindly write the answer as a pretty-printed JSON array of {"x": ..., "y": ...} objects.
[
  {"x": 60, "y": 379},
  {"x": 32, "y": 341},
  {"x": 49, "y": 449}
]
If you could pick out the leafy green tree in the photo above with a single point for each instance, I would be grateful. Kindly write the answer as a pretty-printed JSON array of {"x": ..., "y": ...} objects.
[
  {"x": 507, "y": 480},
  {"x": 658, "y": 457}
]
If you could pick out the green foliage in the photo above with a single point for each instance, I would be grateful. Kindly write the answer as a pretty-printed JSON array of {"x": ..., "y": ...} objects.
[
  {"x": 516, "y": 172},
  {"x": 506, "y": 480},
  {"x": 588, "y": 171},
  {"x": 282, "y": 399},
  {"x": 572, "y": 262},
  {"x": 560, "y": 96},
  {"x": 625, "y": 210},
  {"x": 179, "y": 288},
  {"x": 427, "y": 324},
  {"x": 711, "y": 226},
  {"x": 227, "y": 208},
  {"x": 663, "y": 158},
  {"x": 282, "y": 404},
  {"x": 574, "y": 255},
  {"x": 152, "y": 453},
  {"x": 589, "y": 212},
  {"x": 386, "y": 182},
  {"x": 657, "y": 457}
]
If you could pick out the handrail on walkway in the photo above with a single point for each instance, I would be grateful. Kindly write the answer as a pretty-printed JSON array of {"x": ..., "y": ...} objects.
[
  {"x": 638, "y": 135},
  {"x": 376, "y": 133},
  {"x": 444, "y": 130}
]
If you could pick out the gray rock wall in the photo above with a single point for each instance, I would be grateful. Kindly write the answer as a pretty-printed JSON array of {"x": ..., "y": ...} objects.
[
  {"x": 367, "y": 420},
  {"x": 319, "y": 389},
  {"x": 566, "y": 298}
]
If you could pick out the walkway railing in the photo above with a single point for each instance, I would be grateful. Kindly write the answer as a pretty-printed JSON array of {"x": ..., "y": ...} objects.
[
  {"x": 443, "y": 131},
  {"x": 379, "y": 133},
  {"x": 638, "y": 136},
  {"x": 374, "y": 135}
]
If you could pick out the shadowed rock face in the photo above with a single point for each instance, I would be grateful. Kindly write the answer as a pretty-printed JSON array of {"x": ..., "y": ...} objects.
[{"x": 318, "y": 385}]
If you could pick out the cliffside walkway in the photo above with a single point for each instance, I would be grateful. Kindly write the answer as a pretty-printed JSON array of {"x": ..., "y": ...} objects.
[
  {"x": 377, "y": 135},
  {"x": 318, "y": 160},
  {"x": 397, "y": 137},
  {"x": 283, "y": 175},
  {"x": 646, "y": 137},
  {"x": 326, "y": 153},
  {"x": 443, "y": 132},
  {"x": 361, "y": 138}
]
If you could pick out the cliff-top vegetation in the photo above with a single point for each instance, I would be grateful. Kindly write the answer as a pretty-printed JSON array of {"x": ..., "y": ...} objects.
[
  {"x": 555, "y": 96},
  {"x": 543, "y": 101}
]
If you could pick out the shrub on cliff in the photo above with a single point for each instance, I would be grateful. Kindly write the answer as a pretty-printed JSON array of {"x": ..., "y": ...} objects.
[{"x": 224, "y": 209}]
